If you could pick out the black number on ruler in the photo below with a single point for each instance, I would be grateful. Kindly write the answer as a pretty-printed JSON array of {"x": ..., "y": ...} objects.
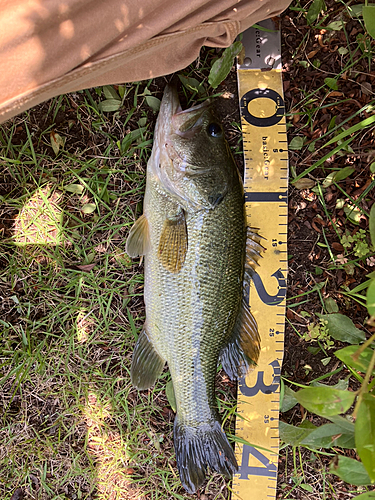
[
  {"x": 270, "y": 300},
  {"x": 268, "y": 469},
  {"x": 260, "y": 385},
  {"x": 264, "y": 93}
]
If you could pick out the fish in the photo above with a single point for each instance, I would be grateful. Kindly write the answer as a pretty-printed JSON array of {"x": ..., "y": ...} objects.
[{"x": 193, "y": 238}]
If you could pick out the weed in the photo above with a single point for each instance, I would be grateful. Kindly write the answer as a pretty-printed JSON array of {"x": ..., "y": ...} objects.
[
  {"x": 319, "y": 332},
  {"x": 358, "y": 241}
]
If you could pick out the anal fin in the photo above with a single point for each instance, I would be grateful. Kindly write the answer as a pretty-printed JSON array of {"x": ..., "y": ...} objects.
[
  {"x": 147, "y": 364},
  {"x": 243, "y": 348}
]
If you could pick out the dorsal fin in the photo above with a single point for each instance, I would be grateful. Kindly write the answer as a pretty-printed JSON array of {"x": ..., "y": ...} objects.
[{"x": 253, "y": 247}]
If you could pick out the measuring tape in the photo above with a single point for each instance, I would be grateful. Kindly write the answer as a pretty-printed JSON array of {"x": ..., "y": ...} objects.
[{"x": 266, "y": 185}]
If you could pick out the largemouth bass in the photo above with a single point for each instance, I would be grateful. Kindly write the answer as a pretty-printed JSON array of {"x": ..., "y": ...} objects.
[{"x": 193, "y": 237}]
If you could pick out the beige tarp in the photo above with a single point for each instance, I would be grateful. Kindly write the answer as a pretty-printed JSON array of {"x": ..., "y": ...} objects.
[{"x": 51, "y": 47}]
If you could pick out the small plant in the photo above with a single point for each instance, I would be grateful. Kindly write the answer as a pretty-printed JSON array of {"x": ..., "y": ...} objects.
[
  {"x": 319, "y": 332},
  {"x": 357, "y": 242},
  {"x": 354, "y": 430}
]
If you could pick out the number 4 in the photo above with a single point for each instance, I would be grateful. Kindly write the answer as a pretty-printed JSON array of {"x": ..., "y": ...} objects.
[{"x": 269, "y": 469}]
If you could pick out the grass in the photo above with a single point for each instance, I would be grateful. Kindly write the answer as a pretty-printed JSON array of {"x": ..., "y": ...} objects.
[{"x": 72, "y": 426}]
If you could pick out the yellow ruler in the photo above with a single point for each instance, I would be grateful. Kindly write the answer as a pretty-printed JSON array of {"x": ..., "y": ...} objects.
[{"x": 266, "y": 183}]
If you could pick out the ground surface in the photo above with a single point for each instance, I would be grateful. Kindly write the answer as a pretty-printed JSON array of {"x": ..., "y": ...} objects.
[{"x": 72, "y": 426}]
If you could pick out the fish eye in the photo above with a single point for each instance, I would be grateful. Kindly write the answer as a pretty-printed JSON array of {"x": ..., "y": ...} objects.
[{"x": 214, "y": 130}]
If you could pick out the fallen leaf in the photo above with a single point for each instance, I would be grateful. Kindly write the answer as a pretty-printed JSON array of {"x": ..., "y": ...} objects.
[
  {"x": 56, "y": 141},
  {"x": 18, "y": 494},
  {"x": 312, "y": 53},
  {"x": 337, "y": 246},
  {"x": 86, "y": 267}
]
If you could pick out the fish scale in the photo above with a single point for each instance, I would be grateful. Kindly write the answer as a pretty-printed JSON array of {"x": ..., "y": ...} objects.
[{"x": 177, "y": 318}]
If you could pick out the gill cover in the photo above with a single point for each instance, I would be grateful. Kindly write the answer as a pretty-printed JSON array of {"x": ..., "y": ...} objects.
[{"x": 196, "y": 166}]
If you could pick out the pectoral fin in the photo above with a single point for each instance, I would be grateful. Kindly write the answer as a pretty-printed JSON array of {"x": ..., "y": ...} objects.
[
  {"x": 147, "y": 364},
  {"x": 138, "y": 241},
  {"x": 173, "y": 243},
  {"x": 243, "y": 349}
]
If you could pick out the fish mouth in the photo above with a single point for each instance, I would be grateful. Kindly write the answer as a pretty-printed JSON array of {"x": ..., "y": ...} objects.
[
  {"x": 170, "y": 103},
  {"x": 183, "y": 122}
]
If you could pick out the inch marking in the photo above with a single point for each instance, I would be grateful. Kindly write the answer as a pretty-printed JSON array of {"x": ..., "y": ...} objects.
[{"x": 266, "y": 196}]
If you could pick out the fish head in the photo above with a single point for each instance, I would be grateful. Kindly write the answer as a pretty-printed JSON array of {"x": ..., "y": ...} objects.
[{"x": 195, "y": 163}]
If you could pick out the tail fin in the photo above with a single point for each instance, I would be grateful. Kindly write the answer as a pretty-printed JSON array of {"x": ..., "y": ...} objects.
[{"x": 199, "y": 447}]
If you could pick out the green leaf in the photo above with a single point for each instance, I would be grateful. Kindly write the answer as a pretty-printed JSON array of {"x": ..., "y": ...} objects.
[
  {"x": 292, "y": 435},
  {"x": 307, "y": 487},
  {"x": 349, "y": 470},
  {"x": 355, "y": 10},
  {"x": 343, "y": 173},
  {"x": 297, "y": 143},
  {"x": 142, "y": 121},
  {"x": 169, "y": 391},
  {"x": 341, "y": 385},
  {"x": 222, "y": 66},
  {"x": 262, "y": 28},
  {"x": 325, "y": 401},
  {"x": 370, "y": 298},
  {"x": 361, "y": 364},
  {"x": 345, "y": 441},
  {"x": 110, "y": 105},
  {"x": 369, "y": 495},
  {"x": 110, "y": 93},
  {"x": 331, "y": 305},
  {"x": 304, "y": 183},
  {"x": 315, "y": 8},
  {"x": 368, "y": 12},
  {"x": 342, "y": 422},
  {"x": 353, "y": 213},
  {"x": 289, "y": 399},
  {"x": 192, "y": 84},
  {"x": 335, "y": 26},
  {"x": 328, "y": 181},
  {"x": 328, "y": 435},
  {"x": 121, "y": 91},
  {"x": 342, "y": 328},
  {"x": 88, "y": 208},
  {"x": 331, "y": 83},
  {"x": 342, "y": 51},
  {"x": 153, "y": 102},
  {"x": 317, "y": 164},
  {"x": 365, "y": 433},
  {"x": 74, "y": 188}
]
